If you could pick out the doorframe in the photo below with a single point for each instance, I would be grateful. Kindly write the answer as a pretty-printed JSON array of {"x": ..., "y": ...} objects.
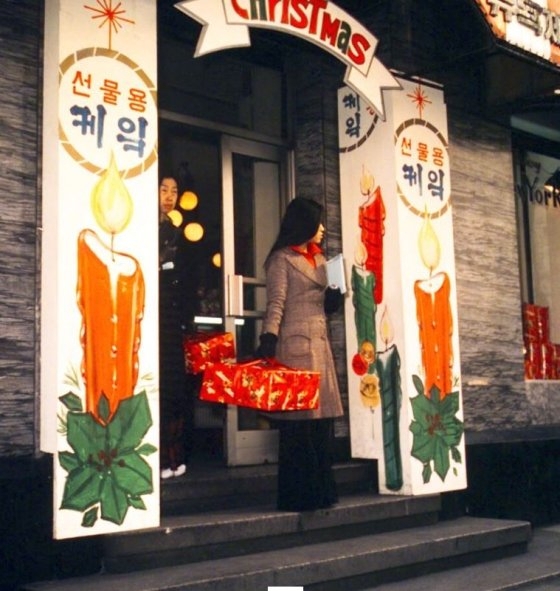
[{"x": 245, "y": 446}]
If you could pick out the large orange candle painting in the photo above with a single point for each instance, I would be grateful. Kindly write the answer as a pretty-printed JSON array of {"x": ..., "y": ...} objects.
[
  {"x": 111, "y": 301},
  {"x": 435, "y": 320}
]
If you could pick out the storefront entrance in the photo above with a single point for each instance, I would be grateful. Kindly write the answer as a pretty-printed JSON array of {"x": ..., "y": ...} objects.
[{"x": 235, "y": 189}]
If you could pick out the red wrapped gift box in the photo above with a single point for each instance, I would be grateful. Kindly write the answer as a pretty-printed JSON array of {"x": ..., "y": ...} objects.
[
  {"x": 203, "y": 348},
  {"x": 261, "y": 384},
  {"x": 536, "y": 322}
]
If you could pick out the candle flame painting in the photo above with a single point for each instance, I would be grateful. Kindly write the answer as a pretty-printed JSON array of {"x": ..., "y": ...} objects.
[
  {"x": 386, "y": 332},
  {"x": 429, "y": 245},
  {"x": 111, "y": 202}
]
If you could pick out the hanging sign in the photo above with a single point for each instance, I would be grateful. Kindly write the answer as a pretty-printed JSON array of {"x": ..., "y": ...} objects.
[
  {"x": 99, "y": 312},
  {"x": 404, "y": 382},
  {"x": 226, "y": 24},
  {"x": 534, "y": 26}
]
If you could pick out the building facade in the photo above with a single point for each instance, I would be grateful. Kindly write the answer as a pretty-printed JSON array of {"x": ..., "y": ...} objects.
[{"x": 501, "y": 111}]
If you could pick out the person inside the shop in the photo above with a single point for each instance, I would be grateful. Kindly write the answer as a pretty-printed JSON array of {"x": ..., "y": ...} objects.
[
  {"x": 174, "y": 401},
  {"x": 295, "y": 332}
]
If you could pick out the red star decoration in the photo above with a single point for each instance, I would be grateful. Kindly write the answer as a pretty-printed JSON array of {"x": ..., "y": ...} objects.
[
  {"x": 110, "y": 15},
  {"x": 420, "y": 98}
]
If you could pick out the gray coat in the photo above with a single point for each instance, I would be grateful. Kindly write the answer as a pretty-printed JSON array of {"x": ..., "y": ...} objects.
[{"x": 294, "y": 312}]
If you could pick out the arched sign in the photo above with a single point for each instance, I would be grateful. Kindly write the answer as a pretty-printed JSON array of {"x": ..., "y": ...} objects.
[{"x": 226, "y": 24}]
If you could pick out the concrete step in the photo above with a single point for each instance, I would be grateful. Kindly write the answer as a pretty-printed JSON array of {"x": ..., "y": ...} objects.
[
  {"x": 208, "y": 486},
  {"x": 233, "y": 532},
  {"x": 538, "y": 569},
  {"x": 350, "y": 563}
]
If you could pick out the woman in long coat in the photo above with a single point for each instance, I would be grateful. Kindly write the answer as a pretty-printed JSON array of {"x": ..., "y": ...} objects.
[{"x": 295, "y": 332}]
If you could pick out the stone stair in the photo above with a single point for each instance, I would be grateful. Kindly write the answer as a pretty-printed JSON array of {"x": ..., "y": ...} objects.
[{"x": 220, "y": 531}]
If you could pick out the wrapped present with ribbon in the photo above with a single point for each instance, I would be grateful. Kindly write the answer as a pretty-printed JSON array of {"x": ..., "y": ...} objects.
[
  {"x": 262, "y": 384},
  {"x": 203, "y": 348}
]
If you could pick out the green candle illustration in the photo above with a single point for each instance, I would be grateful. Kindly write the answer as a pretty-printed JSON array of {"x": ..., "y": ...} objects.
[
  {"x": 388, "y": 365},
  {"x": 363, "y": 284}
]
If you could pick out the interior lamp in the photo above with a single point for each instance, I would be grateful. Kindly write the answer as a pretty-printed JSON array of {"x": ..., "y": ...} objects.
[
  {"x": 188, "y": 201},
  {"x": 193, "y": 231}
]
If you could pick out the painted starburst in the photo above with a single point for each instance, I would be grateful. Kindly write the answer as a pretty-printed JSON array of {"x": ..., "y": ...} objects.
[
  {"x": 420, "y": 98},
  {"x": 111, "y": 16}
]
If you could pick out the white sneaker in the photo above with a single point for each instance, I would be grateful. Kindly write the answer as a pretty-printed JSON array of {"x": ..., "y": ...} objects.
[
  {"x": 166, "y": 473},
  {"x": 180, "y": 470}
]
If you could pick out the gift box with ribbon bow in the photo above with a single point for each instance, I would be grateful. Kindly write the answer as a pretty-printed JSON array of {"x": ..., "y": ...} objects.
[
  {"x": 261, "y": 384},
  {"x": 203, "y": 348}
]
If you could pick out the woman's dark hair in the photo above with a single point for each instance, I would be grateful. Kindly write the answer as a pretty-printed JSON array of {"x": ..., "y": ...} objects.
[
  {"x": 167, "y": 174},
  {"x": 299, "y": 224}
]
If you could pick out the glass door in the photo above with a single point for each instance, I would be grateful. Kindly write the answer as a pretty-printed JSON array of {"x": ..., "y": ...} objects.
[{"x": 254, "y": 195}]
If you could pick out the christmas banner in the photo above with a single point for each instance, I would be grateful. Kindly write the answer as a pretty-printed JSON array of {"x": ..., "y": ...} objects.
[
  {"x": 99, "y": 329},
  {"x": 226, "y": 24},
  {"x": 401, "y": 317}
]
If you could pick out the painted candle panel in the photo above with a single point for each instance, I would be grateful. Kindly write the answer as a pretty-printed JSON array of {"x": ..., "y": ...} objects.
[
  {"x": 99, "y": 311},
  {"x": 401, "y": 319}
]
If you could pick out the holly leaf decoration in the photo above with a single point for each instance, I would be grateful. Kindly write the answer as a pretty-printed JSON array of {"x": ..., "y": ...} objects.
[
  {"x": 107, "y": 473},
  {"x": 436, "y": 430}
]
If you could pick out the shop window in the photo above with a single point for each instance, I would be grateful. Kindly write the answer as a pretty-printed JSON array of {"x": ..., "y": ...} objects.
[{"x": 537, "y": 188}]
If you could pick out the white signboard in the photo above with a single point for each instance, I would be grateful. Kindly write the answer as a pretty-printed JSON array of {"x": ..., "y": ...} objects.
[
  {"x": 401, "y": 317},
  {"x": 99, "y": 347}
]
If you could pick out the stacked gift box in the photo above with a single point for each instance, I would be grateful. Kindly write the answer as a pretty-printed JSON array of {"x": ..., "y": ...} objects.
[
  {"x": 203, "y": 348},
  {"x": 542, "y": 358}
]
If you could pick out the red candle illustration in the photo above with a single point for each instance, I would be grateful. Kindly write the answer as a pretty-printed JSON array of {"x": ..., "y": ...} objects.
[
  {"x": 371, "y": 219},
  {"x": 435, "y": 321},
  {"x": 110, "y": 295}
]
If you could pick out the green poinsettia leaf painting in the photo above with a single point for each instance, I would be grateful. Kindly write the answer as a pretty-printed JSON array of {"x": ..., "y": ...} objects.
[
  {"x": 456, "y": 455},
  {"x": 114, "y": 504},
  {"x": 85, "y": 435},
  {"x": 107, "y": 473},
  {"x": 137, "y": 503},
  {"x": 418, "y": 384},
  {"x": 82, "y": 488},
  {"x": 147, "y": 449},
  {"x": 72, "y": 401},
  {"x": 130, "y": 423},
  {"x": 441, "y": 458},
  {"x": 103, "y": 408},
  {"x": 436, "y": 430},
  {"x": 68, "y": 461},
  {"x": 423, "y": 448},
  {"x": 133, "y": 474},
  {"x": 90, "y": 517},
  {"x": 426, "y": 473},
  {"x": 450, "y": 404}
]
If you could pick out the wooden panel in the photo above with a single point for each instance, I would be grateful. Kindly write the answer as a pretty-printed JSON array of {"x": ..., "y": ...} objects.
[{"x": 20, "y": 42}]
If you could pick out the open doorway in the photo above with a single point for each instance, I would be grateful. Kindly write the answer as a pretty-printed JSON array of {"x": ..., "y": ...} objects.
[
  {"x": 193, "y": 158},
  {"x": 234, "y": 191}
]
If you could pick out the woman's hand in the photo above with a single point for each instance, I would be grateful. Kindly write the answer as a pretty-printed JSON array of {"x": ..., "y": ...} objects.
[
  {"x": 333, "y": 300},
  {"x": 267, "y": 348}
]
